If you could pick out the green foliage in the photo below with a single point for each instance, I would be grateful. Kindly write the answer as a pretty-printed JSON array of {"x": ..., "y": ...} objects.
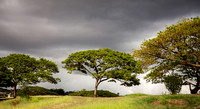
[
  {"x": 105, "y": 64},
  {"x": 21, "y": 68},
  {"x": 45, "y": 71},
  {"x": 35, "y": 90},
  {"x": 5, "y": 81},
  {"x": 174, "y": 49},
  {"x": 100, "y": 93},
  {"x": 24, "y": 92},
  {"x": 58, "y": 91},
  {"x": 173, "y": 83}
]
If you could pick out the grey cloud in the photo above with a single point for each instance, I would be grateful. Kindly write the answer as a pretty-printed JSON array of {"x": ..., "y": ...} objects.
[{"x": 90, "y": 22}]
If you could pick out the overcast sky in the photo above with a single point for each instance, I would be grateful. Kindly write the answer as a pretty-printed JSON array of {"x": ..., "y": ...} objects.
[{"x": 53, "y": 29}]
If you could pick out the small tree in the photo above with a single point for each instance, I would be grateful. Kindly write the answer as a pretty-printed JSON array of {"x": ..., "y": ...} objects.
[
  {"x": 105, "y": 64},
  {"x": 173, "y": 83},
  {"x": 21, "y": 68}
]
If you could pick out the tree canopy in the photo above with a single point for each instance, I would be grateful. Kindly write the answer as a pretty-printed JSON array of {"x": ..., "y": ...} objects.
[
  {"x": 21, "y": 68},
  {"x": 4, "y": 79},
  {"x": 105, "y": 64},
  {"x": 177, "y": 48}
]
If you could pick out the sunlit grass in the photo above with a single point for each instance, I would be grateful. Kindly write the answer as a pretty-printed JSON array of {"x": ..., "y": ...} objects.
[
  {"x": 164, "y": 102},
  {"x": 102, "y": 103},
  {"x": 34, "y": 102}
]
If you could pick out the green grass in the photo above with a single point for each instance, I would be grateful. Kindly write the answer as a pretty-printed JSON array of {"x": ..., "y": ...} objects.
[
  {"x": 40, "y": 102},
  {"x": 165, "y": 102},
  {"x": 102, "y": 103},
  {"x": 133, "y": 101}
]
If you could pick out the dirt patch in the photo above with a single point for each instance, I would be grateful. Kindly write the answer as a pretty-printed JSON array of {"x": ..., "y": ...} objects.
[
  {"x": 178, "y": 102},
  {"x": 59, "y": 106},
  {"x": 171, "y": 102},
  {"x": 156, "y": 103}
]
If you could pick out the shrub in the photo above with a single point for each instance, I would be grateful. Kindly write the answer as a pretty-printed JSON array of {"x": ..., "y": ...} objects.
[
  {"x": 100, "y": 93},
  {"x": 68, "y": 92},
  {"x": 35, "y": 90},
  {"x": 58, "y": 91},
  {"x": 137, "y": 94},
  {"x": 173, "y": 83}
]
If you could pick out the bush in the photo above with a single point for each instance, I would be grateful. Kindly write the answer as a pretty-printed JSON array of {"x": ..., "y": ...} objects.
[
  {"x": 35, "y": 90},
  {"x": 100, "y": 93},
  {"x": 137, "y": 94},
  {"x": 173, "y": 83},
  {"x": 68, "y": 92},
  {"x": 58, "y": 91}
]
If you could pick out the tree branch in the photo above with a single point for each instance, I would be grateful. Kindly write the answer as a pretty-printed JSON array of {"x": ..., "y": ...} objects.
[
  {"x": 103, "y": 80},
  {"x": 181, "y": 61},
  {"x": 88, "y": 70}
]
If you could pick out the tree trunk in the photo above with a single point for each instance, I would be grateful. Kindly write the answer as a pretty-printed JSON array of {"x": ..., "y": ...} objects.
[
  {"x": 15, "y": 91},
  {"x": 197, "y": 86},
  {"x": 96, "y": 86},
  {"x": 195, "y": 90}
]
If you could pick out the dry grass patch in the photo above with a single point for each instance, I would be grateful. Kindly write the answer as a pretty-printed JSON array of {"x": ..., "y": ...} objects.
[{"x": 171, "y": 102}]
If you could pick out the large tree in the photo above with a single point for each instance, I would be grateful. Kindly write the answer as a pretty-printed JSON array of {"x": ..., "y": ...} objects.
[
  {"x": 105, "y": 64},
  {"x": 176, "y": 49},
  {"x": 21, "y": 68}
]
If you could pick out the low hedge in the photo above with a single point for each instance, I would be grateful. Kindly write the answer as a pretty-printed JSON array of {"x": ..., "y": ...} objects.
[
  {"x": 35, "y": 90},
  {"x": 100, "y": 93}
]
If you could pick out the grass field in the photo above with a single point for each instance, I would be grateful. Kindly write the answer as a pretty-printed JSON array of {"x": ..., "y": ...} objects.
[{"x": 134, "y": 101}]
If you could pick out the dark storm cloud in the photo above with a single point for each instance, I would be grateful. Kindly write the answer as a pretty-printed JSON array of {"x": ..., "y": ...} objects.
[{"x": 99, "y": 23}]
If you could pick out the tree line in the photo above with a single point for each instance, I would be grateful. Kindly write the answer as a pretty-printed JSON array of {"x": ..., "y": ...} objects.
[{"x": 172, "y": 58}]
